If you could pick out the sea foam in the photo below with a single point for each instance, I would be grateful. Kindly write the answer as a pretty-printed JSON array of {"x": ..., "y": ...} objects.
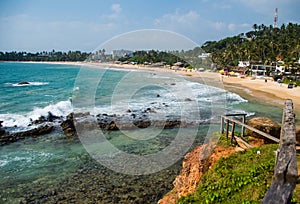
[{"x": 60, "y": 109}]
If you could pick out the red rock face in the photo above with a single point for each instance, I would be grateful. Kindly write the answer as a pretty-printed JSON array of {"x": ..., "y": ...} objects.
[{"x": 194, "y": 165}]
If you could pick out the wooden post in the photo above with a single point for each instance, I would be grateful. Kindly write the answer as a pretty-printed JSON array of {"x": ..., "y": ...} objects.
[
  {"x": 232, "y": 132},
  {"x": 227, "y": 127},
  {"x": 286, "y": 173},
  {"x": 222, "y": 125},
  {"x": 243, "y": 127}
]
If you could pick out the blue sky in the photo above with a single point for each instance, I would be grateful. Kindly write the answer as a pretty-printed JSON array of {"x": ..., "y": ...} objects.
[{"x": 38, "y": 25}]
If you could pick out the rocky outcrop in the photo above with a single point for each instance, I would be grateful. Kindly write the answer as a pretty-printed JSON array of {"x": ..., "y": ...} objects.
[
  {"x": 194, "y": 165},
  {"x": 13, "y": 137},
  {"x": 266, "y": 125},
  {"x": 48, "y": 118},
  {"x": 68, "y": 126},
  {"x": 2, "y": 131},
  {"x": 114, "y": 122}
]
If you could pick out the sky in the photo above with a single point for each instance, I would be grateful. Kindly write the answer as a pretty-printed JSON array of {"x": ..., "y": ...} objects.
[{"x": 63, "y": 25}]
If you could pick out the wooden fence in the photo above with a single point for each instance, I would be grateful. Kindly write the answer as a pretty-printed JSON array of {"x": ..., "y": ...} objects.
[
  {"x": 286, "y": 173},
  {"x": 227, "y": 120}
]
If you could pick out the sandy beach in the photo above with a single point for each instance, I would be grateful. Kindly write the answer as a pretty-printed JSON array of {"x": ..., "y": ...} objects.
[{"x": 268, "y": 92}]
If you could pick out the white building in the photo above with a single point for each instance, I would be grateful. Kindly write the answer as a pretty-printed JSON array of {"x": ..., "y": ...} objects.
[
  {"x": 244, "y": 64},
  {"x": 122, "y": 53},
  {"x": 204, "y": 55}
]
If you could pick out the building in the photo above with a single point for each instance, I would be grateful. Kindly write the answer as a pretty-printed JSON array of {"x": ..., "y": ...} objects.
[
  {"x": 244, "y": 64},
  {"x": 262, "y": 70},
  {"x": 122, "y": 53},
  {"x": 203, "y": 56}
]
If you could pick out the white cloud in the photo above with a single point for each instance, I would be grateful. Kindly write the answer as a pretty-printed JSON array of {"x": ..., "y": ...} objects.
[
  {"x": 219, "y": 26},
  {"x": 177, "y": 18},
  {"x": 22, "y": 32},
  {"x": 238, "y": 27},
  {"x": 265, "y": 6},
  {"x": 222, "y": 5},
  {"x": 116, "y": 8}
]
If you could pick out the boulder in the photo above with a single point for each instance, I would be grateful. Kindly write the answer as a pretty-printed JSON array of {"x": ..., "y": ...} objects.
[
  {"x": 266, "y": 125},
  {"x": 23, "y": 83},
  {"x": 68, "y": 126}
]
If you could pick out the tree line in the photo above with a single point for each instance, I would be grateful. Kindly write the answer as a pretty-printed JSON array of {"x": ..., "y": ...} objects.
[
  {"x": 72, "y": 56},
  {"x": 263, "y": 44},
  {"x": 185, "y": 58}
]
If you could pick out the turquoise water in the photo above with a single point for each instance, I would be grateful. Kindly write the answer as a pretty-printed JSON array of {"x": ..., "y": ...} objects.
[
  {"x": 35, "y": 165},
  {"x": 49, "y": 84}
]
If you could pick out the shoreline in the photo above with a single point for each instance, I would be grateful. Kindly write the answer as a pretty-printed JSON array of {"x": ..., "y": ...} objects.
[
  {"x": 269, "y": 92},
  {"x": 247, "y": 88}
]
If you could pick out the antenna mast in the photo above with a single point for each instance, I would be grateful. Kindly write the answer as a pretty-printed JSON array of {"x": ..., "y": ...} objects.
[{"x": 275, "y": 17}]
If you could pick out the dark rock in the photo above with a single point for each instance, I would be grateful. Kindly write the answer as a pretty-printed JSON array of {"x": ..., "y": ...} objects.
[
  {"x": 9, "y": 138},
  {"x": 171, "y": 124},
  {"x": 187, "y": 99},
  {"x": 49, "y": 118},
  {"x": 68, "y": 126},
  {"x": 41, "y": 130},
  {"x": 23, "y": 83},
  {"x": 52, "y": 117},
  {"x": 2, "y": 131},
  {"x": 266, "y": 125},
  {"x": 142, "y": 124}
]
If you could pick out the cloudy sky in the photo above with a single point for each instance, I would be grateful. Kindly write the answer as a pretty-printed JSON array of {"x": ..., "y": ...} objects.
[{"x": 43, "y": 25}]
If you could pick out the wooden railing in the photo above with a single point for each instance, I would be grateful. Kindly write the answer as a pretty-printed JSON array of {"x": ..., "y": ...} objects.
[
  {"x": 286, "y": 174},
  {"x": 227, "y": 121}
]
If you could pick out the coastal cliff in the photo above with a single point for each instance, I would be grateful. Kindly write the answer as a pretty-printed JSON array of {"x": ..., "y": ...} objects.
[{"x": 194, "y": 165}]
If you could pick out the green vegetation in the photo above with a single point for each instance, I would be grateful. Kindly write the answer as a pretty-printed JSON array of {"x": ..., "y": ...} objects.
[
  {"x": 263, "y": 44},
  {"x": 188, "y": 59},
  {"x": 72, "y": 56},
  {"x": 243, "y": 177}
]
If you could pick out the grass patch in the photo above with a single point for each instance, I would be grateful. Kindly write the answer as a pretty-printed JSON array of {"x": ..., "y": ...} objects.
[
  {"x": 222, "y": 140},
  {"x": 296, "y": 193},
  {"x": 243, "y": 177}
]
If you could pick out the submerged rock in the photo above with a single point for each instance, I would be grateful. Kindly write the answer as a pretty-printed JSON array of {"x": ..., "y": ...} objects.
[
  {"x": 187, "y": 99},
  {"x": 23, "y": 83}
]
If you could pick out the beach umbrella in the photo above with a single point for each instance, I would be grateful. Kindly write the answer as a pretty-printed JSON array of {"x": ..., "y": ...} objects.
[
  {"x": 231, "y": 73},
  {"x": 221, "y": 71}
]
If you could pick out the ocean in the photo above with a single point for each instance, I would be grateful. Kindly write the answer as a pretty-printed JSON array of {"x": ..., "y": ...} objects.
[{"x": 117, "y": 167}]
